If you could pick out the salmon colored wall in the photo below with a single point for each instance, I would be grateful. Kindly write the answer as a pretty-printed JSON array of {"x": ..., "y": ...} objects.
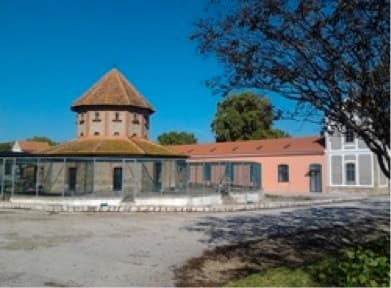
[{"x": 299, "y": 180}]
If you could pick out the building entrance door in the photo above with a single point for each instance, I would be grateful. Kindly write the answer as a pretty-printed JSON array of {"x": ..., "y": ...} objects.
[
  {"x": 72, "y": 174},
  {"x": 315, "y": 178},
  {"x": 117, "y": 179}
]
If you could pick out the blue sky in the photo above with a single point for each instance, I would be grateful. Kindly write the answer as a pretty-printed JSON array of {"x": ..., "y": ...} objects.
[{"x": 53, "y": 51}]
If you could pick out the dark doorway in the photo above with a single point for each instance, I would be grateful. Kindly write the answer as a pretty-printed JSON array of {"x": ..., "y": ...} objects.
[
  {"x": 72, "y": 172},
  {"x": 117, "y": 179},
  {"x": 315, "y": 178},
  {"x": 157, "y": 176}
]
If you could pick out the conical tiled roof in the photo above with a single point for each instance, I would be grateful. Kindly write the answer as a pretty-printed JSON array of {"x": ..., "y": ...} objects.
[
  {"x": 113, "y": 89},
  {"x": 132, "y": 146}
]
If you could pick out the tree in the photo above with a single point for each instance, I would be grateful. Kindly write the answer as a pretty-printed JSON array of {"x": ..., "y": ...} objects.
[
  {"x": 176, "y": 138},
  {"x": 245, "y": 116},
  {"x": 5, "y": 146},
  {"x": 332, "y": 57},
  {"x": 42, "y": 139}
]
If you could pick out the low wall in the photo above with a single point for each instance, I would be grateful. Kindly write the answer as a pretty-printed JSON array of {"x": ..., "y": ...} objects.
[
  {"x": 66, "y": 201},
  {"x": 169, "y": 201},
  {"x": 245, "y": 197},
  {"x": 209, "y": 200},
  {"x": 128, "y": 207}
]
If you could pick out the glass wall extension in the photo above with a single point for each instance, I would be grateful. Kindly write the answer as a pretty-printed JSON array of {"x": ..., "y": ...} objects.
[{"x": 128, "y": 179}]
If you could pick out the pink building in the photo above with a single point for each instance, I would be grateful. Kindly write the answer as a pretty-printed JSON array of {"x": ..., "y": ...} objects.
[{"x": 287, "y": 164}]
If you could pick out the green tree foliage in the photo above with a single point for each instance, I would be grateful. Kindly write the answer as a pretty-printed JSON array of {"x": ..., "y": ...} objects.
[
  {"x": 176, "y": 138},
  {"x": 6, "y": 146},
  {"x": 42, "y": 139},
  {"x": 245, "y": 116},
  {"x": 332, "y": 57}
]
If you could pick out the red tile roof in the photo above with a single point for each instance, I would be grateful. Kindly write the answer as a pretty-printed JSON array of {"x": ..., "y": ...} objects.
[
  {"x": 33, "y": 146},
  {"x": 113, "y": 89},
  {"x": 267, "y": 147},
  {"x": 112, "y": 146}
]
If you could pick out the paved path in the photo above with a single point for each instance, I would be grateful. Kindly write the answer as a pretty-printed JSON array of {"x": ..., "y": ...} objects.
[{"x": 143, "y": 249}]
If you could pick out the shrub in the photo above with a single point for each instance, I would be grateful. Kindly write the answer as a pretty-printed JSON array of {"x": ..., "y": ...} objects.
[{"x": 359, "y": 266}]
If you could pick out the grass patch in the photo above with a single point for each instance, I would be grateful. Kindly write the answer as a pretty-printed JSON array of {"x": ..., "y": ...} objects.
[
  {"x": 359, "y": 266},
  {"x": 284, "y": 277}
]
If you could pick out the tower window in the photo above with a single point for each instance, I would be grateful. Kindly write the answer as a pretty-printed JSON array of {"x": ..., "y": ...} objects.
[
  {"x": 81, "y": 118},
  {"x": 116, "y": 117},
  {"x": 97, "y": 117},
  {"x": 135, "y": 119}
]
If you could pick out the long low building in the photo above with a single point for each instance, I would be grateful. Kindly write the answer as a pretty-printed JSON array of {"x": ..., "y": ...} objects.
[
  {"x": 287, "y": 164},
  {"x": 334, "y": 163}
]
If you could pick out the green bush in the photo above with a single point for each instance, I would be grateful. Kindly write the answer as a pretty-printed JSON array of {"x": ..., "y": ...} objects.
[{"x": 359, "y": 266}]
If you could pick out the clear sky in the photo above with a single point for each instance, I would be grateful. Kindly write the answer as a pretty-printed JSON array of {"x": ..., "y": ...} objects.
[{"x": 52, "y": 51}]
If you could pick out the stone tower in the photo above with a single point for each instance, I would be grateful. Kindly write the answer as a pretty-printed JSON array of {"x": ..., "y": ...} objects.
[{"x": 112, "y": 107}]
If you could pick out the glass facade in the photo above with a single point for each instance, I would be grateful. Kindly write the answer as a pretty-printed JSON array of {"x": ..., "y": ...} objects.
[{"x": 126, "y": 178}]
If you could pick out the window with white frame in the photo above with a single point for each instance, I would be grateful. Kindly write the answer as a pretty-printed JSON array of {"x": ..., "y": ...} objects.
[{"x": 350, "y": 173}]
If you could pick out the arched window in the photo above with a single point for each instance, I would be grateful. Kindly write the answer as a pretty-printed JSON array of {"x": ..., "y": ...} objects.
[
  {"x": 96, "y": 133},
  {"x": 116, "y": 133},
  {"x": 283, "y": 173},
  {"x": 81, "y": 134},
  {"x": 350, "y": 170}
]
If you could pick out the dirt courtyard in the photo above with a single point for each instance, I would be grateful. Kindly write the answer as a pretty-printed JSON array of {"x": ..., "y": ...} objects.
[{"x": 150, "y": 249}]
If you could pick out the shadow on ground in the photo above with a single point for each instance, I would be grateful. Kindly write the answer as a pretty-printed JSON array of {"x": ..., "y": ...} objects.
[{"x": 257, "y": 242}]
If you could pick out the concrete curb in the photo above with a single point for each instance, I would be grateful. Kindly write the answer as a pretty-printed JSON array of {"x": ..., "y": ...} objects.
[{"x": 126, "y": 208}]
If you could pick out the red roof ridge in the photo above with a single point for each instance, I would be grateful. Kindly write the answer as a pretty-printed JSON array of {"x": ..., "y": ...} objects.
[
  {"x": 135, "y": 145},
  {"x": 118, "y": 75}
]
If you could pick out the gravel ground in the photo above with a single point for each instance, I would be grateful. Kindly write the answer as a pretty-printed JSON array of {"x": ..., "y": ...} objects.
[{"x": 149, "y": 249}]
